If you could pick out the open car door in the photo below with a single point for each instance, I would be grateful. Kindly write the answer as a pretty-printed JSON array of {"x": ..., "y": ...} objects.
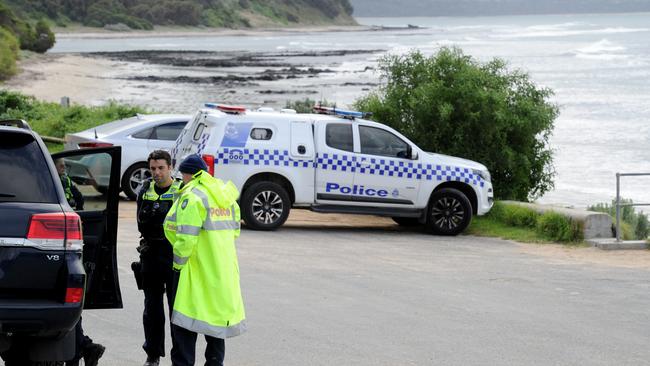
[{"x": 96, "y": 174}]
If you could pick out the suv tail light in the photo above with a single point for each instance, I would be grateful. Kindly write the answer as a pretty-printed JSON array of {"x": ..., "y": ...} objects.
[
  {"x": 209, "y": 161},
  {"x": 85, "y": 145},
  {"x": 74, "y": 295},
  {"x": 57, "y": 230}
]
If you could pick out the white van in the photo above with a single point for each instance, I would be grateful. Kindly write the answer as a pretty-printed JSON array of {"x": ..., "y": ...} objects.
[{"x": 336, "y": 163}]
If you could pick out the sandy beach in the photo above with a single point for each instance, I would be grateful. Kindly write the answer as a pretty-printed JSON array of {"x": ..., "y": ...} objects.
[{"x": 49, "y": 77}]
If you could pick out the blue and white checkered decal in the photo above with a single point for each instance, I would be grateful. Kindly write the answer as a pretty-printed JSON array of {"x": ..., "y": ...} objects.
[
  {"x": 349, "y": 163},
  {"x": 203, "y": 141}
]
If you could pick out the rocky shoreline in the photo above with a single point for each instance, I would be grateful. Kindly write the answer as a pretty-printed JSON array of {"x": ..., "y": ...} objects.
[{"x": 179, "y": 81}]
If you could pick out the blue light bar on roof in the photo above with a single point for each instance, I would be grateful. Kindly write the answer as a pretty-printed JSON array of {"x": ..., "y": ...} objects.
[
  {"x": 341, "y": 112},
  {"x": 230, "y": 109}
]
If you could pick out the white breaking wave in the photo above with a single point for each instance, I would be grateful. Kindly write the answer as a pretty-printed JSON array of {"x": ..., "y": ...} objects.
[
  {"x": 600, "y": 47},
  {"x": 602, "y": 50},
  {"x": 566, "y": 32}
]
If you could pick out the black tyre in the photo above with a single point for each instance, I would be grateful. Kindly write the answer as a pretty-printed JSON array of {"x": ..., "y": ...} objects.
[
  {"x": 265, "y": 206},
  {"x": 406, "y": 221},
  {"x": 449, "y": 213},
  {"x": 134, "y": 178}
]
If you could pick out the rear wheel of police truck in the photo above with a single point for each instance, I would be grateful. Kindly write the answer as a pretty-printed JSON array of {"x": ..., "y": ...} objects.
[
  {"x": 265, "y": 206},
  {"x": 449, "y": 213}
]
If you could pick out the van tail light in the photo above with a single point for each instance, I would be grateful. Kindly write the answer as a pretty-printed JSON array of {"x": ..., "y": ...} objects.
[
  {"x": 86, "y": 145},
  {"x": 209, "y": 161},
  {"x": 57, "y": 230},
  {"x": 74, "y": 295}
]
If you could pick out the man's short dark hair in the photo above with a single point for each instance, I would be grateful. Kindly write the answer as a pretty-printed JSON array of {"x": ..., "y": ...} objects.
[{"x": 159, "y": 155}]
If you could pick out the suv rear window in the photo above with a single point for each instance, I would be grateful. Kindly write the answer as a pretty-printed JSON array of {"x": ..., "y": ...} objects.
[{"x": 25, "y": 177}]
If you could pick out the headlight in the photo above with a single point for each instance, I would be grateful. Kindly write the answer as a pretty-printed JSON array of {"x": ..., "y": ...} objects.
[{"x": 485, "y": 174}]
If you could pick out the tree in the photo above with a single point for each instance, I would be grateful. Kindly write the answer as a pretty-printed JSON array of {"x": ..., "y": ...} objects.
[
  {"x": 44, "y": 39},
  {"x": 453, "y": 104}
]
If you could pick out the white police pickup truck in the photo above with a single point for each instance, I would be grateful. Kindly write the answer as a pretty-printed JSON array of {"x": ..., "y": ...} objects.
[{"x": 333, "y": 161}]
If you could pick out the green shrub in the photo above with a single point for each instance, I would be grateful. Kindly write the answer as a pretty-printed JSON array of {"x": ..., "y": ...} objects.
[
  {"x": 44, "y": 38},
  {"x": 443, "y": 101},
  {"x": 51, "y": 119},
  {"x": 8, "y": 54},
  {"x": 558, "y": 227},
  {"x": 514, "y": 215},
  {"x": 521, "y": 216}
]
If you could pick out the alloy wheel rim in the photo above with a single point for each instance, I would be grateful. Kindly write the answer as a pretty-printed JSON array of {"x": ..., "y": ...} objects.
[
  {"x": 267, "y": 207},
  {"x": 447, "y": 213},
  {"x": 137, "y": 179}
]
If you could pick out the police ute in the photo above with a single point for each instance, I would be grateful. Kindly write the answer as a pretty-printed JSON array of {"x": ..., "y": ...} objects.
[{"x": 332, "y": 161}]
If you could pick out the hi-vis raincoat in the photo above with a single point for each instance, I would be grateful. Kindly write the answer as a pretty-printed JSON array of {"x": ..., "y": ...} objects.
[{"x": 202, "y": 226}]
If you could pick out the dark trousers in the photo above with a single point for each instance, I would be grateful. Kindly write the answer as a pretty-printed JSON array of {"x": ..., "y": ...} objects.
[
  {"x": 81, "y": 340},
  {"x": 155, "y": 283},
  {"x": 184, "y": 343},
  {"x": 184, "y": 350}
]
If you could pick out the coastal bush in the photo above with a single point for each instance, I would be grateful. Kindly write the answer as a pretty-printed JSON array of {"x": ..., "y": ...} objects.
[
  {"x": 634, "y": 225},
  {"x": 558, "y": 227},
  {"x": 453, "y": 104},
  {"x": 44, "y": 37},
  {"x": 8, "y": 54},
  {"x": 39, "y": 38},
  {"x": 52, "y": 119}
]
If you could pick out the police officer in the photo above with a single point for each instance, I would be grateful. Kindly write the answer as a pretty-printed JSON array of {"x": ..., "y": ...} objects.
[
  {"x": 202, "y": 226},
  {"x": 153, "y": 203}
]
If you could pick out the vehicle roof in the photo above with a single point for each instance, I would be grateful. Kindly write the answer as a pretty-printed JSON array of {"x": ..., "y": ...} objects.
[
  {"x": 140, "y": 120},
  {"x": 278, "y": 117},
  {"x": 17, "y": 130}
]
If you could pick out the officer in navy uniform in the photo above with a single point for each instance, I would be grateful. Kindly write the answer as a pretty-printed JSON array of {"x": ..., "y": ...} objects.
[{"x": 153, "y": 203}]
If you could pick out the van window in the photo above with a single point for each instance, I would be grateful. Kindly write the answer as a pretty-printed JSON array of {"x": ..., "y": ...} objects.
[
  {"x": 375, "y": 141},
  {"x": 261, "y": 133},
  {"x": 339, "y": 136},
  {"x": 198, "y": 131}
]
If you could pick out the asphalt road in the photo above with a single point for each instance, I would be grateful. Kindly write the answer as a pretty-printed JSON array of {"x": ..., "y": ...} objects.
[{"x": 336, "y": 294}]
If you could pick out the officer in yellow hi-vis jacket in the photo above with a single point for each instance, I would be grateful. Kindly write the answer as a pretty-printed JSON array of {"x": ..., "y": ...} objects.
[{"x": 202, "y": 226}]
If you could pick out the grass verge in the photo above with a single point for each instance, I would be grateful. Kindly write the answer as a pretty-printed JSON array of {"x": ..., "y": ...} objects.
[
  {"x": 54, "y": 120},
  {"x": 525, "y": 225}
]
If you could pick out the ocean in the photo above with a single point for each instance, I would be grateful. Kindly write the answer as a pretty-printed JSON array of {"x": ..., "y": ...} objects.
[{"x": 598, "y": 66}]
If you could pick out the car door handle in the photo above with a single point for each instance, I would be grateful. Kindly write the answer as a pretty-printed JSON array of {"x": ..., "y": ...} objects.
[{"x": 364, "y": 164}]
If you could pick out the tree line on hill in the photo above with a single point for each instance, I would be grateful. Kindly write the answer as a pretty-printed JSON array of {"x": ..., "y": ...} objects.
[{"x": 144, "y": 14}]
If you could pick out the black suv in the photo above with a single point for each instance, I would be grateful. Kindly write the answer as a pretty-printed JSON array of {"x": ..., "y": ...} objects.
[{"x": 44, "y": 279}]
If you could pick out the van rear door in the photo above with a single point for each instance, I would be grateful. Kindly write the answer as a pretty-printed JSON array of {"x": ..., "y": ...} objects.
[{"x": 189, "y": 141}]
